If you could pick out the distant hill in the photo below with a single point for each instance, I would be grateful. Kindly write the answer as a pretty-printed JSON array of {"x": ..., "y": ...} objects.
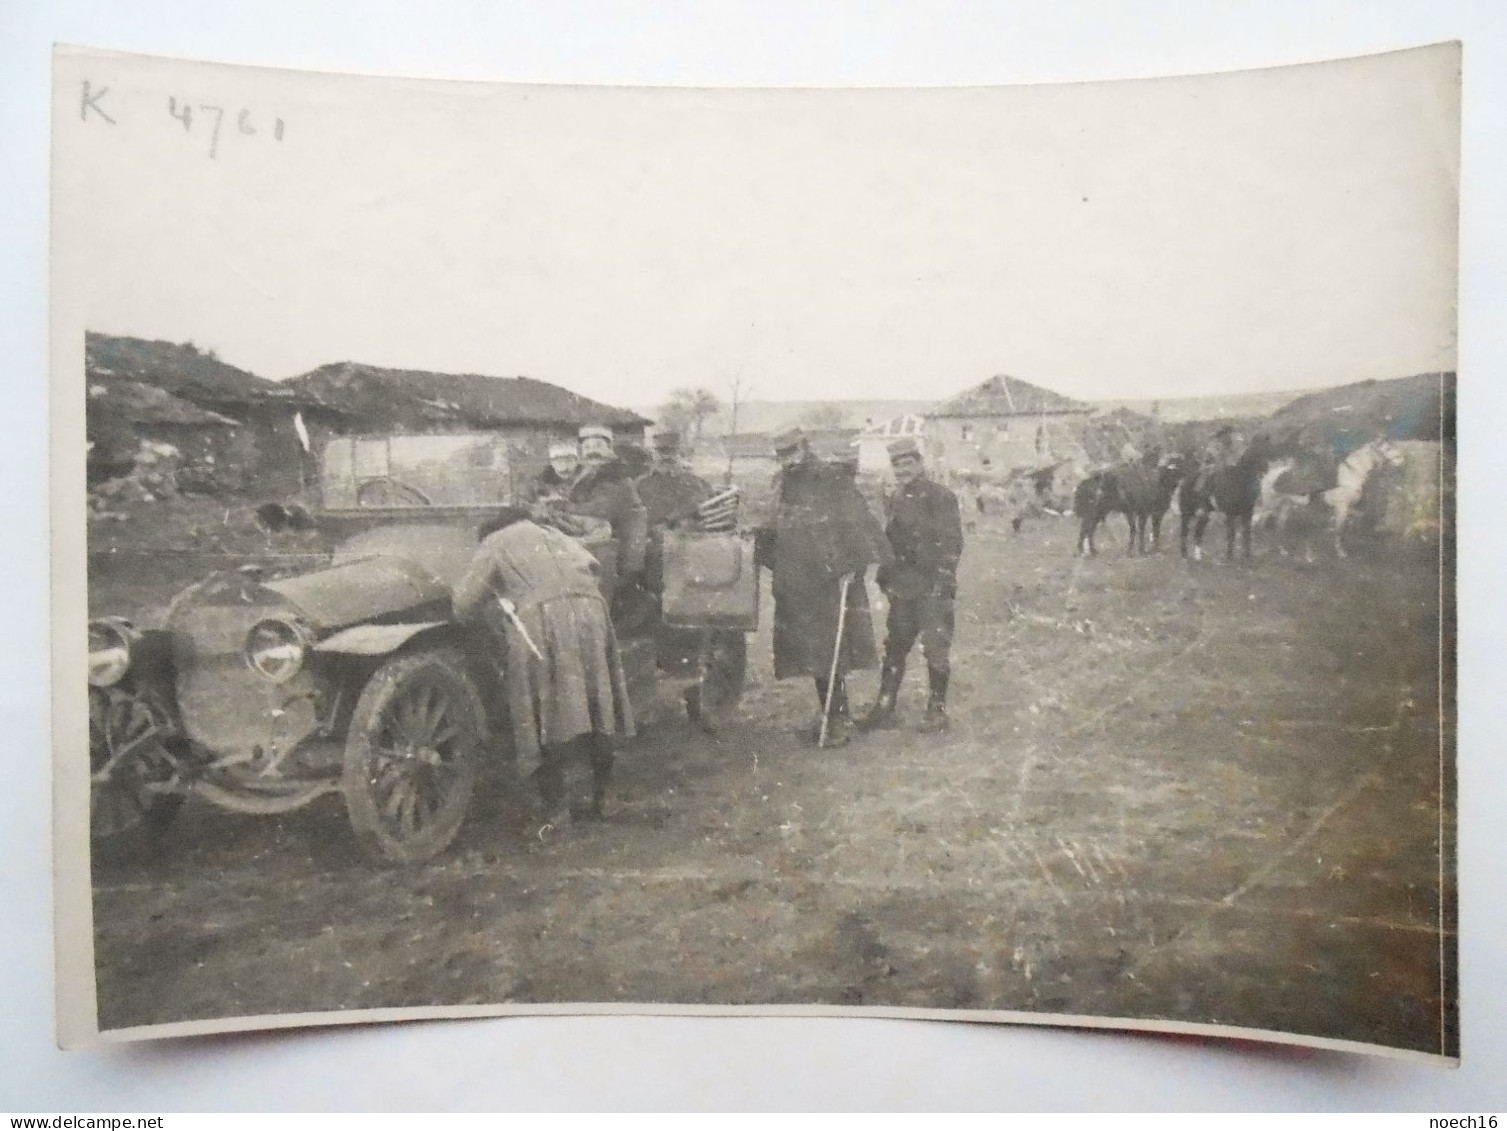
[
  {"x": 1341, "y": 419},
  {"x": 1216, "y": 406},
  {"x": 765, "y": 416},
  {"x": 769, "y": 417}
]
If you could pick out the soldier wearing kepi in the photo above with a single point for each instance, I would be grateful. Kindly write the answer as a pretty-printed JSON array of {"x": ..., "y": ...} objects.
[
  {"x": 559, "y": 474},
  {"x": 605, "y": 489},
  {"x": 822, "y": 533},
  {"x": 926, "y": 533},
  {"x": 671, "y": 494},
  {"x": 669, "y": 490}
]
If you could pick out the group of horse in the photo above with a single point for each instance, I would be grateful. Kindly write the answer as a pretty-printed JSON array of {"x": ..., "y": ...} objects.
[{"x": 1144, "y": 491}]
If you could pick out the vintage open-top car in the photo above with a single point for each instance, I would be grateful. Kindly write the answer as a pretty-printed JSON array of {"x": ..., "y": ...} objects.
[{"x": 261, "y": 693}]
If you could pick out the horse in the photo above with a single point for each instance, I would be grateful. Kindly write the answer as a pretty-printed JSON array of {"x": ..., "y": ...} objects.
[
  {"x": 1169, "y": 478},
  {"x": 1094, "y": 500},
  {"x": 1233, "y": 491},
  {"x": 1146, "y": 489},
  {"x": 1276, "y": 505},
  {"x": 1350, "y": 481}
]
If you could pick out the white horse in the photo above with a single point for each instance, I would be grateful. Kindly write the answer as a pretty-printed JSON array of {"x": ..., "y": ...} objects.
[
  {"x": 1354, "y": 470},
  {"x": 1353, "y": 473},
  {"x": 1272, "y": 504}
]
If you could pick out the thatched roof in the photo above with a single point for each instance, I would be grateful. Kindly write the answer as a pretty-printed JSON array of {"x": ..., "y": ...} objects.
[
  {"x": 182, "y": 370},
  {"x": 138, "y": 403},
  {"x": 409, "y": 398},
  {"x": 1008, "y": 396}
]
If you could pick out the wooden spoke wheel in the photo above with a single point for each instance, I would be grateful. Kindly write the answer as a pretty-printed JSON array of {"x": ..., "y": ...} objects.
[
  {"x": 389, "y": 492},
  {"x": 134, "y": 773},
  {"x": 723, "y": 666},
  {"x": 412, "y": 756}
]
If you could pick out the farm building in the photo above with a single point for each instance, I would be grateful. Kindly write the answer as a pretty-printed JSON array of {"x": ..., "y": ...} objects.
[
  {"x": 231, "y": 430},
  {"x": 1002, "y": 424},
  {"x": 351, "y": 399}
]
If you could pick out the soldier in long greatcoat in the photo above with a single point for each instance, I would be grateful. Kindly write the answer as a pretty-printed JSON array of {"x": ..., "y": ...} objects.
[
  {"x": 534, "y": 588},
  {"x": 821, "y": 532}
]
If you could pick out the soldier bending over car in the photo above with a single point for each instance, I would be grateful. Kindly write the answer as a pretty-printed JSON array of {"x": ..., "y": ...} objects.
[{"x": 535, "y": 589}]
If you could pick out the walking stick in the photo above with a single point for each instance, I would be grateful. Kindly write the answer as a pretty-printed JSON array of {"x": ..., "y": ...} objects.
[{"x": 842, "y": 619}]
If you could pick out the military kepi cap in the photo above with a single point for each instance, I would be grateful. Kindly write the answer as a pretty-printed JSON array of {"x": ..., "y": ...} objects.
[
  {"x": 558, "y": 451},
  {"x": 595, "y": 432},
  {"x": 903, "y": 449},
  {"x": 667, "y": 441},
  {"x": 788, "y": 441}
]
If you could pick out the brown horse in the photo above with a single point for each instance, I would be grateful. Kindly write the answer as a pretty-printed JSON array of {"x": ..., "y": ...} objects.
[
  {"x": 1234, "y": 491},
  {"x": 1143, "y": 493},
  {"x": 1095, "y": 499}
]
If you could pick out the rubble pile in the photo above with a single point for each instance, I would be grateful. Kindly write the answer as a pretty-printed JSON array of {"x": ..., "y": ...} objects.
[{"x": 153, "y": 476}]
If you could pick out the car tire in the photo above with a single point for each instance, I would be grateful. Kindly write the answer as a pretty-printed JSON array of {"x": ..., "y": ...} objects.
[
  {"x": 412, "y": 756},
  {"x": 129, "y": 805}
]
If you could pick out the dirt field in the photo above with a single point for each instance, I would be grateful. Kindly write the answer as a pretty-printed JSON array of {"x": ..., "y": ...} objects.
[{"x": 1201, "y": 792}]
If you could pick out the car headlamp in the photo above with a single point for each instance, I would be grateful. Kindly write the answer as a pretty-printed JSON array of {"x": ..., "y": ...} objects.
[
  {"x": 275, "y": 648},
  {"x": 110, "y": 640}
]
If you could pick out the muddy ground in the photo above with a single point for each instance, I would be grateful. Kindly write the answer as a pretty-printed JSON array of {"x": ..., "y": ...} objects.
[{"x": 1171, "y": 790}]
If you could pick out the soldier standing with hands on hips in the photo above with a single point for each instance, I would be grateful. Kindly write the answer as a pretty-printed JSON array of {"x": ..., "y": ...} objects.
[{"x": 925, "y": 531}]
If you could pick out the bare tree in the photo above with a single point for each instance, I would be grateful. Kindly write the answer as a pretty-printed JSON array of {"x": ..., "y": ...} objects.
[
  {"x": 687, "y": 411},
  {"x": 739, "y": 394}
]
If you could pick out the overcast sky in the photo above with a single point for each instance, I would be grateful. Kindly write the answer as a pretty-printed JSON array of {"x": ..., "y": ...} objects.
[{"x": 1267, "y": 230}]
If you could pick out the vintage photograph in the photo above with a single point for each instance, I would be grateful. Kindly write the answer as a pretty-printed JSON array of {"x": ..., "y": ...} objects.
[{"x": 978, "y": 553}]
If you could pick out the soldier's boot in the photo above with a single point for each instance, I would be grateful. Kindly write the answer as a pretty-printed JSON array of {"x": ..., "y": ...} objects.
[
  {"x": 554, "y": 813},
  {"x": 809, "y": 732},
  {"x": 602, "y": 757},
  {"x": 839, "y": 729},
  {"x": 840, "y": 725},
  {"x": 881, "y": 715},
  {"x": 935, "y": 720}
]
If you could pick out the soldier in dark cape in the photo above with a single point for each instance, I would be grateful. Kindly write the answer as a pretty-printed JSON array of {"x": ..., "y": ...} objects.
[{"x": 822, "y": 531}]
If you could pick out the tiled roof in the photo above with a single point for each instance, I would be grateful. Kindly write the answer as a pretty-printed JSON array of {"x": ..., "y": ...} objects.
[{"x": 1007, "y": 396}]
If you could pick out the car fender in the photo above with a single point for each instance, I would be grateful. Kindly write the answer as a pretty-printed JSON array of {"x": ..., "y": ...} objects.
[{"x": 374, "y": 639}]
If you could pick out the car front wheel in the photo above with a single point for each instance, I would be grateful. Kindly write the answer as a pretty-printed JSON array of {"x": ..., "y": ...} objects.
[
  {"x": 412, "y": 756},
  {"x": 135, "y": 773}
]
